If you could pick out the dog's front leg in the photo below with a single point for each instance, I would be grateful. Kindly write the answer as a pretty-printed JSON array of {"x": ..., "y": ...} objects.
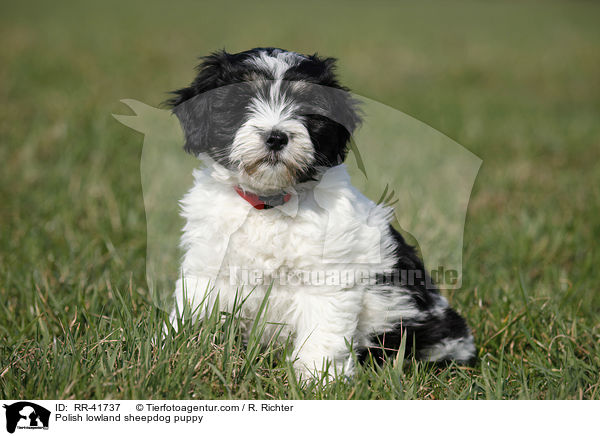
[
  {"x": 193, "y": 296},
  {"x": 325, "y": 329}
]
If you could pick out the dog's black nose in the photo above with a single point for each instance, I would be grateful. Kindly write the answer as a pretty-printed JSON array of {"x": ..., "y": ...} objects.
[{"x": 276, "y": 140}]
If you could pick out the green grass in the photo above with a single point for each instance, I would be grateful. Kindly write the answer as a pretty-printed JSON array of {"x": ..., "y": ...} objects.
[{"x": 514, "y": 82}]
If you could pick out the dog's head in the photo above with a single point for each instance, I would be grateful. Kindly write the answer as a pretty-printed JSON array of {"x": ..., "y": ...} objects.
[{"x": 274, "y": 118}]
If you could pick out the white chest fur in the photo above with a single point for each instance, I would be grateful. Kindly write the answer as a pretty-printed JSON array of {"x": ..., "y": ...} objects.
[{"x": 319, "y": 253}]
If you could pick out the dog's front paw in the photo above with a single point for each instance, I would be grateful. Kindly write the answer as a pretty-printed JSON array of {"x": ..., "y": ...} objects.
[{"x": 324, "y": 369}]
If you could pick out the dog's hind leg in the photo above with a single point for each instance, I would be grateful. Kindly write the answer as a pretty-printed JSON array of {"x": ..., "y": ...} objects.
[
  {"x": 442, "y": 337},
  {"x": 438, "y": 335},
  {"x": 433, "y": 330}
]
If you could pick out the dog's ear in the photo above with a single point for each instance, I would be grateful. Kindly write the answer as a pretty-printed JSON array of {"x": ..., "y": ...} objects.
[
  {"x": 192, "y": 105},
  {"x": 333, "y": 113},
  {"x": 194, "y": 116},
  {"x": 345, "y": 114},
  {"x": 345, "y": 108}
]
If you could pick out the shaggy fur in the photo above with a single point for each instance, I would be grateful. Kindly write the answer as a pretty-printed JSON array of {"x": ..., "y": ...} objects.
[{"x": 276, "y": 124}]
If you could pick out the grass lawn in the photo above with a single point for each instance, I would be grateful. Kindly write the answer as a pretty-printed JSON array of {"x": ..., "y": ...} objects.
[{"x": 514, "y": 82}]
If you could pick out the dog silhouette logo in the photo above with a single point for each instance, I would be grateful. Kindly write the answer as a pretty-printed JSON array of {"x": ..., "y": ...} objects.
[{"x": 26, "y": 415}]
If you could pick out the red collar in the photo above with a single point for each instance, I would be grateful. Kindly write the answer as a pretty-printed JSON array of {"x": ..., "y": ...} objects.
[{"x": 263, "y": 201}]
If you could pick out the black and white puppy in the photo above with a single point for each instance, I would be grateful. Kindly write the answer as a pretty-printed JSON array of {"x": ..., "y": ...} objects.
[{"x": 273, "y": 209}]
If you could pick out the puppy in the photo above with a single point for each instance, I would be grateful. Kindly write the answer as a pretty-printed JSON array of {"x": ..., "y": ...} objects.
[{"x": 273, "y": 216}]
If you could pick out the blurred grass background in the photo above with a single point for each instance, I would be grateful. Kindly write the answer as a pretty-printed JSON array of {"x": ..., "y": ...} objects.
[{"x": 514, "y": 82}]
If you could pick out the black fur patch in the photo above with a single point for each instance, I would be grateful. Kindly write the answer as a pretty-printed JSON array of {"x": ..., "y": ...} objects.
[{"x": 423, "y": 333}]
